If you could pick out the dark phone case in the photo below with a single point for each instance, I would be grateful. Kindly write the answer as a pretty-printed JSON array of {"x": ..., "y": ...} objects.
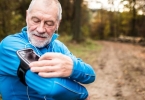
[{"x": 27, "y": 55}]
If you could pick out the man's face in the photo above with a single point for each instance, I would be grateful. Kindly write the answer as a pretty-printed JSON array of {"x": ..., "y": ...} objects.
[{"x": 41, "y": 24}]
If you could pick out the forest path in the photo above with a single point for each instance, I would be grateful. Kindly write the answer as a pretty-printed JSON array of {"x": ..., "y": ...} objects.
[{"x": 120, "y": 72}]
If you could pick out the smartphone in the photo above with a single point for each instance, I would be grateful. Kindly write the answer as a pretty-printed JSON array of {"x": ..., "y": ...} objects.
[{"x": 27, "y": 55}]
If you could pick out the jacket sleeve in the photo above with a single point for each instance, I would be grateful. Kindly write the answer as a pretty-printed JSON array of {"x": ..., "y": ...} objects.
[
  {"x": 57, "y": 88},
  {"x": 82, "y": 72}
]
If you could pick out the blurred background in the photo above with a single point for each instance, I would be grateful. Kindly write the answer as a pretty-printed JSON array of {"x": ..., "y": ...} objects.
[
  {"x": 108, "y": 34},
  {"x": 95, "y": 19}
]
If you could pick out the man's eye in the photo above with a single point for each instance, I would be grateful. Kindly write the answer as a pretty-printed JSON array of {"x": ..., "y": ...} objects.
[
  {"x": 49, "y": 23},
  {"x": 36, "y": 20}
]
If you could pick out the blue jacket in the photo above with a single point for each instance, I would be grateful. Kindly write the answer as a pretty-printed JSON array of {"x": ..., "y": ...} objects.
[{"x": 40, "y": 88}]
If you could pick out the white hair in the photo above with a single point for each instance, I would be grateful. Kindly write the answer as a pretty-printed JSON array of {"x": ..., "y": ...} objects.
[{"x": 48, "y": 2}]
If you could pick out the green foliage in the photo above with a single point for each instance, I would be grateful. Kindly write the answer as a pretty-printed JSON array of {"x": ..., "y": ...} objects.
[
  {"x": 69, "y": 24},
  {"x": 99, "y": 24},
  {"x": 125, "y": 23},
  {"x": 107, "y": 30},
  {"x": 82, "y": 49},
  {"x": 85, "y": 30},
  {"x": 12, "y": 16}
]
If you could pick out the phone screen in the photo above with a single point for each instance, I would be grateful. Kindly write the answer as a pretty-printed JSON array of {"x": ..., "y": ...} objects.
[{"x": 28, "y": 55}]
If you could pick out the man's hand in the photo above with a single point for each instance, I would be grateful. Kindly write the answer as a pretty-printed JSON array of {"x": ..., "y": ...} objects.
[{"x": 53, "y": 65}]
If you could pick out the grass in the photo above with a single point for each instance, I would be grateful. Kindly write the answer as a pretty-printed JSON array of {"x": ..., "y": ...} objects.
[{"x": 86, "y": 50}]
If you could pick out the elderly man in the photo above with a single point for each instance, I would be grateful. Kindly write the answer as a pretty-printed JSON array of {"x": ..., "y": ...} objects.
[{"x": 56, "y": 74}]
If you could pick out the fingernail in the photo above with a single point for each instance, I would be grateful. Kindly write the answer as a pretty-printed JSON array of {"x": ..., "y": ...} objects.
[
  {"x": 32, "y": 69},
  {"x": 30, "y": 64}
]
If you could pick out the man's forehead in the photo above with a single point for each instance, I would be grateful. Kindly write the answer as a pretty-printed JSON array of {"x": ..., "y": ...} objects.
[
  {"x": 44, "y": 3},
  {"x": 44, "y": 14},
  {"x": 45, "y": 6}
]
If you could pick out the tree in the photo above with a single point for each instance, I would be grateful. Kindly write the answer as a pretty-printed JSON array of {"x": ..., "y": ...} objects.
[
  {"x": 4, "y": 15},
  {"x": 67, "y": 11},
  {"x": 76, "y": 25},
  {"x": 12, "y": 16},
  {"x": 133, "y": 22}
]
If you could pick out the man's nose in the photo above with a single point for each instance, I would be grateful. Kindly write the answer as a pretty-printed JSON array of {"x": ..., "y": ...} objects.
[{"x": 41, "y": 28}]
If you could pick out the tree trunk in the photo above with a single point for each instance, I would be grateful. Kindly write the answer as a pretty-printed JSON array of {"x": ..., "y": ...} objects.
[
  {"x": 133, "y": 29},
  {"x": 76, "y": 25}
]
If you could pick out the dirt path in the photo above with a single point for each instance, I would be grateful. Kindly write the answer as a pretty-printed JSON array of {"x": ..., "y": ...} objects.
[{"x": 120, "y": 72}]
